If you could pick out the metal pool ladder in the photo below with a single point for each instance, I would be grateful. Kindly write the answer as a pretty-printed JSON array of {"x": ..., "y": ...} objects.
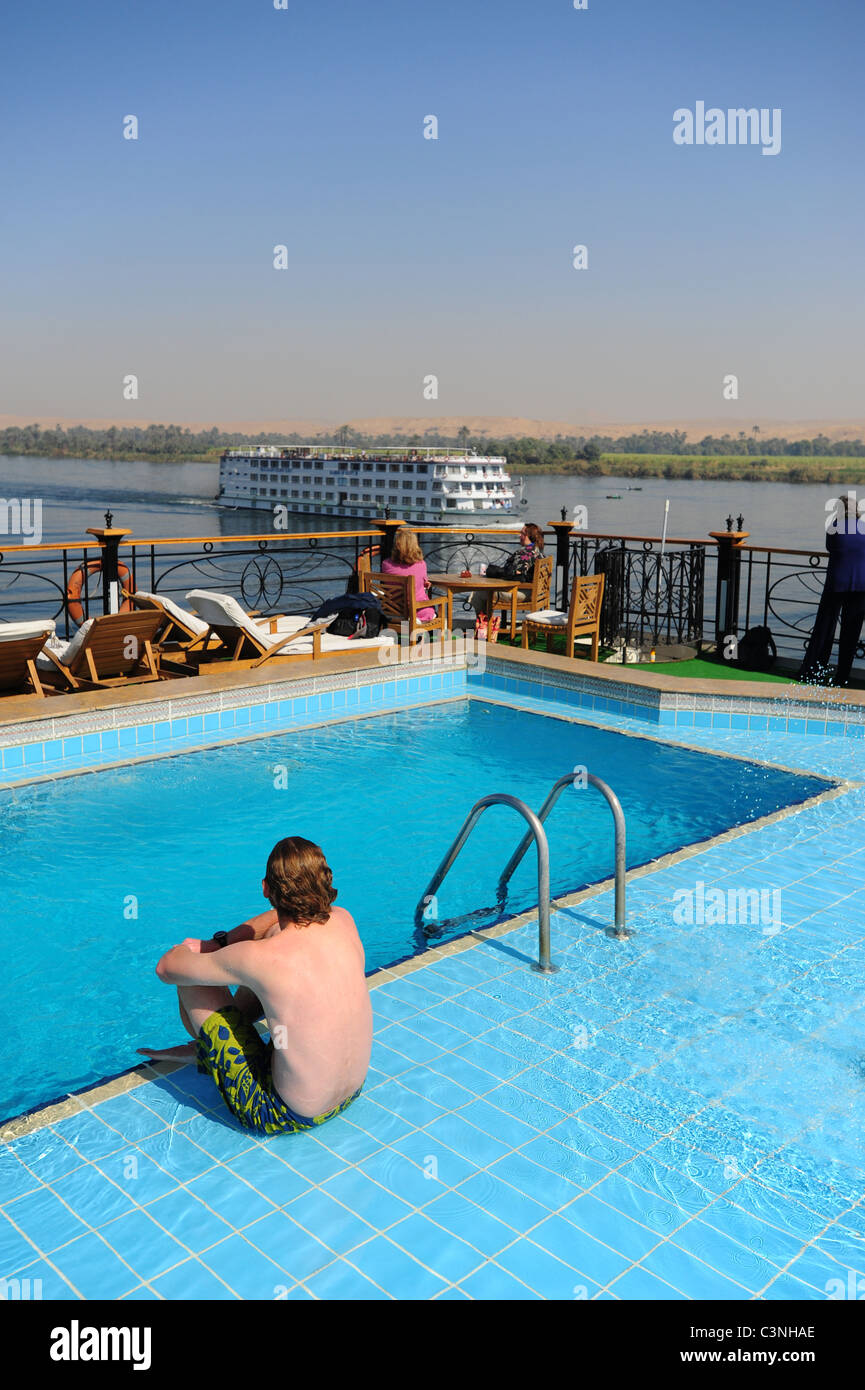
[
  {"x": 535, "y": 832},
  {"x": 620, "y": 930}
]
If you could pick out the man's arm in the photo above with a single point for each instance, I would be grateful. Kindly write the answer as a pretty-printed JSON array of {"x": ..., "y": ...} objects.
[
  {"x": 184, "y": 966},
  {"x": 254, "y": 928},
  {"x": 265, "y": 924}
]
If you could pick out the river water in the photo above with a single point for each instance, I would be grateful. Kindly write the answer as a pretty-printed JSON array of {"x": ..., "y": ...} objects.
[{"x": 162, "y": 499}]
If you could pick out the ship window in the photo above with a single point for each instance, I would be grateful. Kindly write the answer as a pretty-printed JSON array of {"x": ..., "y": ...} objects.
[
  {"x": 306, "y": 479},
  {"x": 367, "y": 468},
  {"x": 407, "y": 501},
  {"x": 317, "y": 496},
  {"x": 273, "y": 492},
  {"x": 304, "y": 494},
  {"x": 422, "y": 468},
  {"x": 394, "y": 500},
  {"x": 381, "y": 468},
  {"x": 408, "y": 468},
  {"x": 366, "y": 497},
  {"x": 253, "y": 477},
  {"x": 395, "y": 467}
]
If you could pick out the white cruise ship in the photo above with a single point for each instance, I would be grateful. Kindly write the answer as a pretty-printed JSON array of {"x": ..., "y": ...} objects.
[{"x": 419, "y": 484}]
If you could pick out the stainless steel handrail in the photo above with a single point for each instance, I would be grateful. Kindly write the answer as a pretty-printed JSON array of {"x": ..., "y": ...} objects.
[
  {"x": 536, "y": 831},
  {"x": 621, "y": 930}
]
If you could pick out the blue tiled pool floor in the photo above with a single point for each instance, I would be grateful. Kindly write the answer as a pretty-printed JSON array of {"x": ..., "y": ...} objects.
[{"x": 680, "y": 1116}]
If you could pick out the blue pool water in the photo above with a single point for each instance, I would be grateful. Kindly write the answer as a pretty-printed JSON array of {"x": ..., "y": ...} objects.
[{"x": 101, "y": 873}]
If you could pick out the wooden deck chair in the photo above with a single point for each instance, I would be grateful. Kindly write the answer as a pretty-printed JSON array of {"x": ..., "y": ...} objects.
[
  {"x": 364, "y": 564},
  {"x": 181, "y": 634},
  {"x": 583, "y": 617},
  {"x": 20, "y": 646},
  {"x": 245, "y": 642},
  {"x": 517, "y": 601},
  {"x": 396, "y": 594},
  {"x": 179, "y": 627},
  {"x": 250, "y": 642},
  {"x": 114, "y": 649}
]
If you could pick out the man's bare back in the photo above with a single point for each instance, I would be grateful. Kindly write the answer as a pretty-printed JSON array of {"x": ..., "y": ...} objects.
[
  {"x": 315, "y": 998},
  {"x": 301, "y": 965}
]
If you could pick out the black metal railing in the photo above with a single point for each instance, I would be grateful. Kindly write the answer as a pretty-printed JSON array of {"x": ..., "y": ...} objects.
[
  {"x": 650, "y": 594},
  {"x": 688, "y": 591}
]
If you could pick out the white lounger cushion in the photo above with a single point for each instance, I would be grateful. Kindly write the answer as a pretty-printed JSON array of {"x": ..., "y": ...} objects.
[
  {"x": 11, "y": 632},
  {"x": 64, "y": 651},
  {"x": 174, "y": 609},
  {"x": 222, "y": 610},
  {"x": 551, "y": 616}
]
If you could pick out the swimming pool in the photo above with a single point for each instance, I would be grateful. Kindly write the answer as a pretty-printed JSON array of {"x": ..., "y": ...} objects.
[{"x": 99, "y": 880}]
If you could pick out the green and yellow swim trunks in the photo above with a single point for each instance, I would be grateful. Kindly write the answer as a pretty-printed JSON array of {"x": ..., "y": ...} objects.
[{"x": 230, "y": 1050}]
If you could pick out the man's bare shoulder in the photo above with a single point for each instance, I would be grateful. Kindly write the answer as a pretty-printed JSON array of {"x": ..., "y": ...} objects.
[
  {"x": 347, "y": 928},
  {"x": 339, "y": 916}
]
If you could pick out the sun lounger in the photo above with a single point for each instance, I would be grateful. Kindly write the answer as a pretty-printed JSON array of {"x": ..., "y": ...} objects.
[
  {"x": 179, "y": 625},
  {"x": 252, "y": 642},
  {"x": 114, "y": 649},
  {"x": 181, "y": 635},
  {"x": 20, "y": 646}
]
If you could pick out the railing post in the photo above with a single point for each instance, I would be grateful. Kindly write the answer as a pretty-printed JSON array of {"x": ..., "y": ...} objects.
[
  {"x": 563, "y": 531},
  {"x": 109, "y": 538},
  {"x": 727, "y": 586},
  {"x": 388, "y": 531}
]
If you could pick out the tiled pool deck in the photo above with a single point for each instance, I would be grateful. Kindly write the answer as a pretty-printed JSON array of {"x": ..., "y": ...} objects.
[{"x": 679, "y": 1116}]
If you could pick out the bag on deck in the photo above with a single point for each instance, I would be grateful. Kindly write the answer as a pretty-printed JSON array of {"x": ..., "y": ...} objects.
[
  {"x": 355, "y": 615},
  {"x": 757, "y": 650}
]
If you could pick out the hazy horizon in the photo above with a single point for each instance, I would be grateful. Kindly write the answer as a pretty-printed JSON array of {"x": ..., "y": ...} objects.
[{"x": 410, "y": 257}]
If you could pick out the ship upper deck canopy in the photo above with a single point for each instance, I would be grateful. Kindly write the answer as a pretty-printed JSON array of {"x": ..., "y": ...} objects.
[{"x": 337, "y": 454}]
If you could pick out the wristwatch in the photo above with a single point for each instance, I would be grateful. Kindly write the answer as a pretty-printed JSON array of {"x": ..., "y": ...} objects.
[{"x": 221, "y": 938}]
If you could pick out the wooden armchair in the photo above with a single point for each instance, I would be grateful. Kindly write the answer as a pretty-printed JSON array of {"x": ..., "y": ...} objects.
[
  {"x": 395, "y": 593},
  {"x": 364, "y": 564},
  {"x": 518, "y": 601},
  {"x": 583, "y": 617}
]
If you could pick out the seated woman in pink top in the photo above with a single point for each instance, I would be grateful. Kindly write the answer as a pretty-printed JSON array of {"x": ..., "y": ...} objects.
[{"x": 407, "y": 558}]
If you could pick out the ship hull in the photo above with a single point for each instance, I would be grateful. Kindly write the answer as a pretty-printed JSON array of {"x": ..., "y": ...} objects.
[{"x": 424, "y": 516}]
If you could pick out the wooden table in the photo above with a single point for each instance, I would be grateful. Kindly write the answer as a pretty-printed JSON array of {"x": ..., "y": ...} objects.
[{"x": 478, "y": 584}]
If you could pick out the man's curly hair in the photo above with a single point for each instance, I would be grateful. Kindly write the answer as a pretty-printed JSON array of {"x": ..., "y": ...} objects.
[{"x": 299, "y": 881}]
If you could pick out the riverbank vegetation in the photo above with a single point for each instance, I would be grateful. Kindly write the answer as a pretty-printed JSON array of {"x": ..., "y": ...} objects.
[{"x": 648, "y": 454}]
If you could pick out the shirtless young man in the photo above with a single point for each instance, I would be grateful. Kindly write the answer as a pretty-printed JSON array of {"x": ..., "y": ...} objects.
[{"x": 301, "y": 965}]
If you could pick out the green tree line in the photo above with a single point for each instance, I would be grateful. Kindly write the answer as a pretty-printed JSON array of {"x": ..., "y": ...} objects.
[{"x": 178, "y": 443}]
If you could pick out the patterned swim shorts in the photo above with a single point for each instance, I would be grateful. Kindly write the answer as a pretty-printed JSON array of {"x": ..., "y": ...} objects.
[{"x": 230, "y": 1050}]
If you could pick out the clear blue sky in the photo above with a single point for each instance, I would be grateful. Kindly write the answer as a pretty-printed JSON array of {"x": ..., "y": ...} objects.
[{"x": 409, "y": 256}]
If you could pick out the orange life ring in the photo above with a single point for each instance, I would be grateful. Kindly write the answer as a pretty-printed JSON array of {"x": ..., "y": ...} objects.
[{"x": 76, "y": 584}]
